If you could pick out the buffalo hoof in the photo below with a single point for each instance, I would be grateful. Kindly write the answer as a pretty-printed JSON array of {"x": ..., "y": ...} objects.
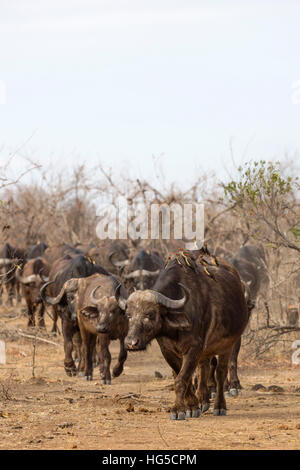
[
  {"x": 117, "y": 371},
  {"x": 213, "y": 395},
  {"x": 233, "y": 392},
  {"x": 88, "y": 377},
  {"x": 193, "y": 413},
  {"x": 196, "y": 413},
  {"x": 219, "y": 412},
  {"x": 106, "y": 381},
  {"x": 205, "y": 407},
  {"x": 177, "y": 416}
]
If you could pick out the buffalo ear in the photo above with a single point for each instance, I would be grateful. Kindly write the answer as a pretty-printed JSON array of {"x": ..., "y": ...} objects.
[
  {"x": 177, "y": 321},
  {"x": 89, "y": 312}
]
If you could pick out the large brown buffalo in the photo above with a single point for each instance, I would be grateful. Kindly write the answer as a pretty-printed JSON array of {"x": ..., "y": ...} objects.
[
  {"x": 195, "y": 310},
  {"x": 63, "y": 300},
  {"x": 100, "y": 320}
]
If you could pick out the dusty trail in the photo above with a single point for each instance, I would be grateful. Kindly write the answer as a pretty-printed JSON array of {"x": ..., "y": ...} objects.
[{"x": 53, "y": 411}]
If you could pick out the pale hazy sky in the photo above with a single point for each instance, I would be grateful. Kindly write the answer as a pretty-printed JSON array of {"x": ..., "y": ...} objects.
[{"x": 120, "y": 81}]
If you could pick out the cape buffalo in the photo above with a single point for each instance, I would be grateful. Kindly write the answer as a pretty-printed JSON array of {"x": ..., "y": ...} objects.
[
  {"x": 63, "y": 300},
  {"x": 11, "y": 258},
  {"x": 31, "y": 282},
  {"x": 196, "y": 310},
  {"x": 100, "y": 319},
  {"x": 143, "y": 270}
]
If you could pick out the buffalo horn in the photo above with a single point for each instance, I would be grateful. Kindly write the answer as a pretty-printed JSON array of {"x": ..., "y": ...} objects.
[
  {"x": 120, "y": 299},
  {"x": 142, "y": 272},
  {"x": 118, "y": 264},
  {"x": 28, "y": 279},
  {"x": 93, "y": 299},
  {"x": 172, "y": 303},
  {"x": 51, "y": 300}
]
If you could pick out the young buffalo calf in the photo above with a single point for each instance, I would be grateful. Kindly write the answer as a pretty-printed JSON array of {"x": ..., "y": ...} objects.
[{"x": 100, "y": 320}]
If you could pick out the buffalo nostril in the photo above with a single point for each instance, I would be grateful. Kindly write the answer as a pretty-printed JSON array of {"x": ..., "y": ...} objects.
[
  {"x": 101, "y": 329},
  {"x": 132, "y": 343}
]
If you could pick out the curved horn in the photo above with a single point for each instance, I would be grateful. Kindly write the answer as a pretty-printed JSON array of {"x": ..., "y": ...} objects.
[
  {"x": 28, "y": 279},
  {"x": 51, "y": 300},
  {"x": 118, "y": 264},
  {"x": 69, "y": 286},
  {"x": 172, "y": 303},
  {"x": 44, "y": 278},
  {"x": 141, "y": 272},
  {"x": 119, "y": 298},
  {"x": 93, "y": 299}
]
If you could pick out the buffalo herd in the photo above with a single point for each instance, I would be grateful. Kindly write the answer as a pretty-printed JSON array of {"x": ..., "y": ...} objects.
[{"x": 195, "y": 303}]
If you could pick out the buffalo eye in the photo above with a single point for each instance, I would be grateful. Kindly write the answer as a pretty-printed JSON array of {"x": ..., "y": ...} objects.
[{"x": 151, "y": 315}]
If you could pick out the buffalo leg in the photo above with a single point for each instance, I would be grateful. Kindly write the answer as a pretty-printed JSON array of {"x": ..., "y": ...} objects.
[
  {"x": 221, "y": 374},
  {"x": 104, "y": 358},
  {"x": 183, "y": 385},
  {"x": 190, "y": 400},
  {"x": 202, "y": 391},
  {"x": 18, "y": 292},
  {"x": 77, "y": 347},
  {"x": 233, "y": 381},
  {"x": 68, "y": 331},
  {"x": 55, "y": 318},
  {"x": 118, "y": 369},
  {"x": 40, "y": 316},
  {"x": 89, "y": 346},
  {"x": 10, "y": 294},
  {"x": 211, "y": 381},
  {"x": 30, "y": 314}
]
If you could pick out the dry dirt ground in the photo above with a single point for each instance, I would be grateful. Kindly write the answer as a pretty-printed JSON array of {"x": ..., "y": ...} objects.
[{"x": 53, "y": 411}]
